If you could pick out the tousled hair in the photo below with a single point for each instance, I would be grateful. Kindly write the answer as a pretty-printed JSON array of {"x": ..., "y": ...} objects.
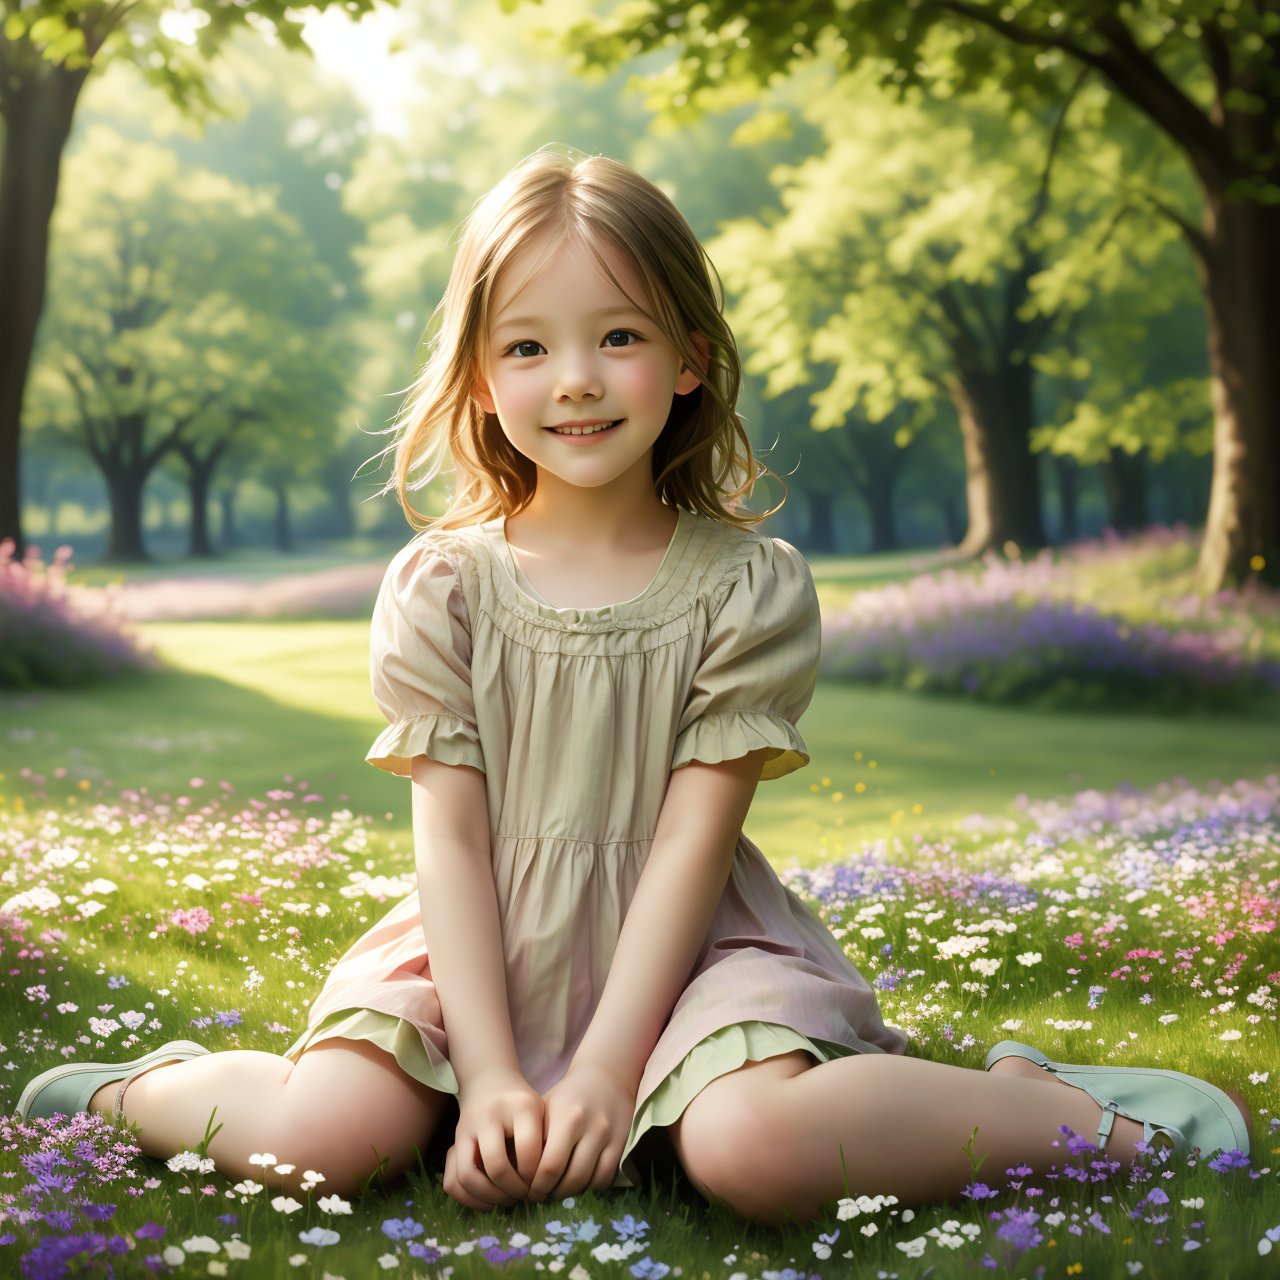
[{"x": 604, "y": 203}]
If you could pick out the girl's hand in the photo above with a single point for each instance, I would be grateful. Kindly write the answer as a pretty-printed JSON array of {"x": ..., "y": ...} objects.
[
  {"x": 494, "y": 1109},
  {"x": 588, "y": 1118}
]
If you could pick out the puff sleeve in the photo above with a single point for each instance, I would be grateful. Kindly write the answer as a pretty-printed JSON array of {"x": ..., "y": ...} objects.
[
  {"x": 420, "y": 664},
  {"x": 759, "y": 666}
]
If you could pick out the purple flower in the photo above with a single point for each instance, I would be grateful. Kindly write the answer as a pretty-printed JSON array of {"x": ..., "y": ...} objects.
[
  {"x": 98, "y": 1212},
  {"x": 628, "y": 1228},
  {"x": 423, "y": 1252},
  {"x": 402, "y": 1228},
  {"x": 1018, "y": 1229},
  {"x": 647, "y": 1269},
  {"x": 229, "y": 1019},
  {"x": 979, "y": 1191},
  {"x": 149, "y": 1231},
  {"x": 1233, "y": 1159}
]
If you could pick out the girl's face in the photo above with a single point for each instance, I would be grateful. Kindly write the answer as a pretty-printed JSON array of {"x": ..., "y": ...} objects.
[{"x": 566, "y": 347}]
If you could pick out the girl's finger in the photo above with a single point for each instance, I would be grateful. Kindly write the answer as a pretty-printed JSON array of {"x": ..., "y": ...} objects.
[
  {"x": 473, "y": 1178},
  {"x": 577, "y": 1176},
  {"x": 454, "y": 1188},
  {"x": 497, "y": 1164},
  {"x": 528, "y": 1145},
  {"x": 555, "y": 1158}
]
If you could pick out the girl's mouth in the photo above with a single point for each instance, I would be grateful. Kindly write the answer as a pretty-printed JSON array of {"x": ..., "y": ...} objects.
[{"x": 596, "y": 433}]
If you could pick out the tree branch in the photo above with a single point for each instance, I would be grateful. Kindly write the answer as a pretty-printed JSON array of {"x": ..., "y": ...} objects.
[{"x": 1219, "y": 58}]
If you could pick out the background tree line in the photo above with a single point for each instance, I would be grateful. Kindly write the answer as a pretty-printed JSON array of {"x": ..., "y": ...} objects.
[{"x": 955, "y": 258}]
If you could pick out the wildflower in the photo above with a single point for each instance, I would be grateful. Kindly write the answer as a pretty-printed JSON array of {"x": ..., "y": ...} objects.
[
  {"x": 913, "y": 1248},
  {"x": 320, "y": 1236},
  {"x": 247, "y": 1187},
  {"x": 231, "y": 1018},
  {"x": 1232, "y": 1159},
  {"x": 173, "y": 1255},
  {"x": 189, "y": 1160},
  {"x": 201, "y": 1244},
  {"x": 149, "y": 1231},
  {"x": 266, "y": 1159},
  {"x": 388, "y": 1260},
  {"x": 401, "y": 1228},
  {"x": 333, "y": 1204},
  {"x": 197, "y": 920},
  {"x": 236, "y": 1249},
  {"x": 284, "y": 1168},
  {"x": 285, "y": 1204},
  {"x": 979, "y": 1191}
]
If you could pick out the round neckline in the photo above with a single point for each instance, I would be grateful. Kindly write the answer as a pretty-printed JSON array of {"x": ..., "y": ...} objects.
[{"x": 520, "y": 583}]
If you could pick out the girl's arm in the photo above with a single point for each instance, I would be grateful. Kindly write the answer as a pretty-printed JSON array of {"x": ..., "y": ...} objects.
[
  {"x": 671, "y": 911},
  {"x": 460, "y": 917}
]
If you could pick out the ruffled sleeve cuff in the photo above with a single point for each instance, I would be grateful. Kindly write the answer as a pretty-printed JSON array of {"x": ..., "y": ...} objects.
[
  {"x": 726, "y": 735},
  {"x": 446, "y": 738}
]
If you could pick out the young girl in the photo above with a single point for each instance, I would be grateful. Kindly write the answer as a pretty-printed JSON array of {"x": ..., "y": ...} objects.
[{"x": 588, "y": 665}]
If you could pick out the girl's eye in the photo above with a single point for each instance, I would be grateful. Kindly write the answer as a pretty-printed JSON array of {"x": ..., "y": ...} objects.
[
  {"x": 622, "y": 333},
  {"x": 515, "y": 347}
]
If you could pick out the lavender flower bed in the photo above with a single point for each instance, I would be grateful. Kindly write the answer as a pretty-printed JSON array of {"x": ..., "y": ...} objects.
[
  {"x": 52, "y": 634},
  {"x": 1012, "y": 633}
]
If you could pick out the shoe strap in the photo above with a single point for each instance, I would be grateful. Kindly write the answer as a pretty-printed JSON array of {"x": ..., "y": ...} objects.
[{"x": 1109, "y": 1110}]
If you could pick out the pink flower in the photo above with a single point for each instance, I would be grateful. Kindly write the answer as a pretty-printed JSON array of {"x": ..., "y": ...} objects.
[{"x": 197, "y": 920}]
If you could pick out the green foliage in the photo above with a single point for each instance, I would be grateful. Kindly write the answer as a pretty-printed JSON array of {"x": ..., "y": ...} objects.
[{"x": 184, "y": 305}]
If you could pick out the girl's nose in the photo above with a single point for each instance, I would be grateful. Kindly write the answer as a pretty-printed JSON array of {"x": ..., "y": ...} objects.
[{"x": 578, "y": 377}]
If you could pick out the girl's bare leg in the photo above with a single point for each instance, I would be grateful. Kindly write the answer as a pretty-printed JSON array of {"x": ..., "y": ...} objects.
[
  {"x": 903, "y": 1123},
  {"x": 328, "y": 1112}
]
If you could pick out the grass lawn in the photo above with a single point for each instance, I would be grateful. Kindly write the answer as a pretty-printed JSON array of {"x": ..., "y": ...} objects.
[{"x": 968, "y": 879}]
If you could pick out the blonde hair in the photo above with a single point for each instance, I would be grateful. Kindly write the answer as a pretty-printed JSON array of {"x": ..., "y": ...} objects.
[{"x": 606, "y": 203}]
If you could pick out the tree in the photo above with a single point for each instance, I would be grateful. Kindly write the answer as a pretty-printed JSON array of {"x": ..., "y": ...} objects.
[
  {"x": 47, "y": 50},
  {"x": 141, "y": 354},
  {"x": 1204, "y": 75},
  {"x": 919, "y": 258}
]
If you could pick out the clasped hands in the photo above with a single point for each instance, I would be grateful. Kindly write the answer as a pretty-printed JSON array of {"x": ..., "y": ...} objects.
[{"x": 563, "y": 1142}]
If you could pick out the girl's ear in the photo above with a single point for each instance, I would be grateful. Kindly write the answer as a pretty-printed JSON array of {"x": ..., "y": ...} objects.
[
  {"x": 480, "y": 390},
  {"x": 691, "y": 379}
]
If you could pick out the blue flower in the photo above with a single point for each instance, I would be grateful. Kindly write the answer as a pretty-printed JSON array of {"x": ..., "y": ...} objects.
[
  {"x": 1233, "y": 1159},
  {"x": 402, "y": 1228},
  {"x": 229, "y": 1019},
  {"x": 628, "y": 1228},
  {"x": 647, "y": 1269}
]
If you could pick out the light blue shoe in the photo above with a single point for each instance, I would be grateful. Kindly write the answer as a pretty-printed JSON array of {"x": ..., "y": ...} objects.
[
  {"x": 1191, "y": 1112},
  {"x": 70, "y": 1087}
]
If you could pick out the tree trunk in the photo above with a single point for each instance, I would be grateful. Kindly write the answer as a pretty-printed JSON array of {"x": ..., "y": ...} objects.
[
  {"x": 952, "y": 524},
  {"x": 227, "y": 501},
  {"x": 1240, "y": 269},
  {"x": 1124, "y": 482},
  {"x": 126, "y": 543},
  {"x": 284, "y": 535},
  {"x": 1067, "y": 475},
  {"x": 1002, "y": 474},
  {"x": 199, "y": 478},
  {"x": 822, "y": 523},
  {"x": 42, "y": 100},
  {"x": 884, "y": 530}
]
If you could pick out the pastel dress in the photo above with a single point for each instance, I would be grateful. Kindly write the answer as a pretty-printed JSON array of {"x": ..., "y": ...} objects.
[{"x": 577, "y": 718}]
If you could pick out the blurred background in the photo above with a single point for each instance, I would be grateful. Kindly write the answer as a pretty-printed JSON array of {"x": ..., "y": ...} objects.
[{"x": 1004, "y": 279}]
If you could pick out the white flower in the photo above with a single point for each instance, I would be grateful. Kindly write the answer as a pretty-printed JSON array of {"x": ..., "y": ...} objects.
[
  {"x": 1196, "y": 1202},
  {"x": 333, "y": 1204},
  {"x": 173, "y": 1255},
  {"x": 297, "y": 1259},
  {"x": 1259, "y": 1077},
  {"x": 189, "y": 1160},
  {"x": 913, "y": 1248},
  {"x": 1012, "y": 1024},
  {"x": 519, "y": 1240},
  {"x": 217, "y": 1268},
  {"x": 285, "y": 1204},
  {"x": 236, "y": 1249},
  {"x": 266, "y": 1159},
  {"x": 984, "y": 967},
  {"x": 133, "y": 1019},
  {"x": 284, "y": 1168},
  {"x": 869, "y": 1228},
  {"x": 101, "y": 885},
  {"x": 388, "y": 1260},
  {"x": 821, "y": 1250},
  {"x": 1230, "y": 1035},
  {"x": 319, "y": 1236},
  {"x": 248, "y": 1187},
  {"x": 67, "y": 1007},
  {"x": 1167, "y": 1017},
  {"x": 1030, "y": 958},
  {"x": 312, "y": 1176},
  {"x": 201, "y": 1244},
  {"x": 1053, "y": 1219}
]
